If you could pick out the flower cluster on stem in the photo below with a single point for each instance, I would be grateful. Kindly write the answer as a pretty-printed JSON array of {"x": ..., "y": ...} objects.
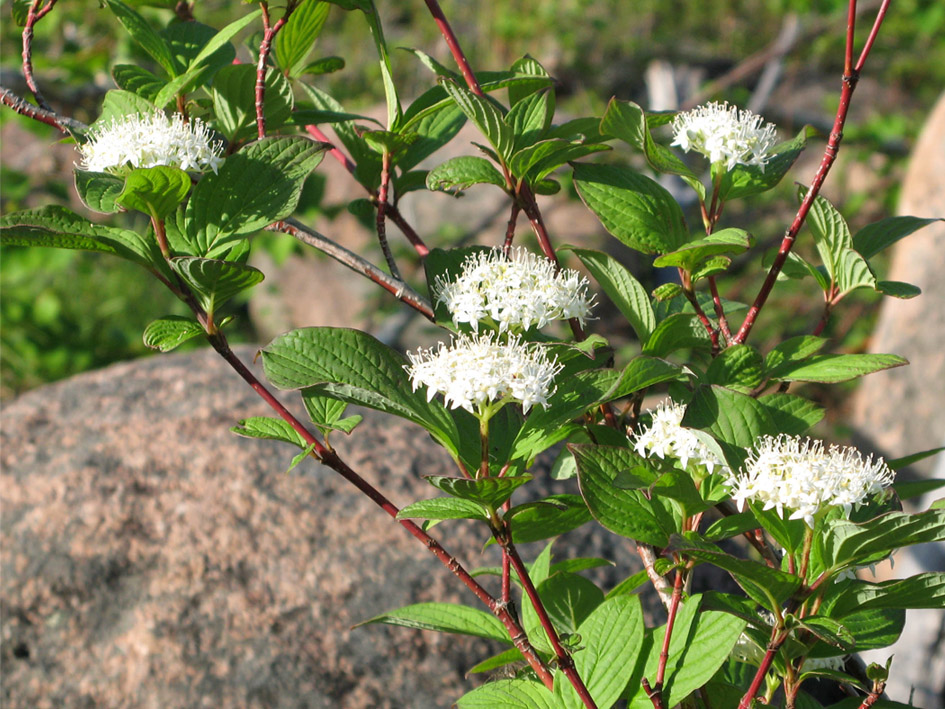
[
  {"x": 666, "y": 437},
  {"x": 150, "y": 140},
  {"x": 725, "y": 134},
  {"x": 805, "y": 477}
]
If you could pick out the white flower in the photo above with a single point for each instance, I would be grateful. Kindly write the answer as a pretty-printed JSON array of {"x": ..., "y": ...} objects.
[
  {"x": 787, "y": 472},
  {"x": 666, "y": 436},
  {"x": 725, "y": 134},
  {"x": 520, "y": 291},
  {"x": 474, "y": 372},
  {"x": 138, "y": 141}
]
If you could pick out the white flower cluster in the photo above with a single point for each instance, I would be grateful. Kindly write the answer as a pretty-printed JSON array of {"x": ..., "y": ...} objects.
[
  {"x": 801, "y": 475},
  {"x": 474, "y": 372},
  {"x": 666, "y": 437},
  {"x": 139, "y": 141},
  {"x": 519, "y": 291},
  {"x": 724, "y": 134}
]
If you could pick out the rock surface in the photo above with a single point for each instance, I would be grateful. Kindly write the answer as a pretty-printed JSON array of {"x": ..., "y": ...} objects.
[{"x": 151, "y": 558}]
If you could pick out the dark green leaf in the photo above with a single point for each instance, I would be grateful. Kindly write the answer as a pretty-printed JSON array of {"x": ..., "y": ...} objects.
[
  {"x": 234, "y": 101},
  {"x": 460, "y": 173},
  {"x": 791, "y": 351},
  {"x": 678, "y": 331},
  {"x": 142, "y": 33},
  {"x": 523, "y": 68},
  {"x": 728, "y": 415},
  {"x": 98, "y": 190},
  {"x": 166, "y": 333},
  {"x": 537, "y": 161},
  {"x": 137, "y": 80},
  {"x": 326, "y": 413},
  {"x": 900, "y": 463},
  {"x": 729, "y": 527},
  {"x": 445, "y": 618},
  {"x": 484, "y": 114},
  {"x": 876, "y": 237},
  {"x": 254, "y": 187},
  {"x": 554, "y": 515},
  {"x": 488, "y": 492},
  {"x": 921, "y": 591},
  {"x": 737, "y": 367},
  {"x": 634, "y": 208},
  {"x": 898, "y": 289},
  {"x": 791, "y": 414},
  {"x": 512, "y": 655},
  {"x": 118, "y": 103},
  {"x": 213, "y": 281},
  {"x": 624, "y": 512},
  {"x": 848, "y": 543},
  {"x": 530, "y": 117},
  {"x": 431, "y": 131},
  {"x": 622, "y": 288},
  {"x": 834, "y": 368},
  {"x": 325, "y": 65},
  {"x": 725, "y": 241},
  {"x": 916, "y": 488},
  {"x": 642, "y": 372},
  {"x": 747, "y": 180},
  {"x": 830, "y": 631}
]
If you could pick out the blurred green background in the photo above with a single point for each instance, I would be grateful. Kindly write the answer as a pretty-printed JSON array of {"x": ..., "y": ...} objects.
[{"x": 66, "y": 312}]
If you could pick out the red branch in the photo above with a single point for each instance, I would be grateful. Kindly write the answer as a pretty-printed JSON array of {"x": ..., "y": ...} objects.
[
  {"x": 34, "y": 15},
  {"x": 50, "y": 118},
  {"x": 850, "y": 77},
  {"x": 265, "y": 47}
]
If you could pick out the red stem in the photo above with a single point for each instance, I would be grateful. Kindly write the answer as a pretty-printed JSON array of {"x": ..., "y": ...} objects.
[
  {"x": 875, "y": 693},
  {"x": 265, "y": 47},
  {"x": 850, "y": 78},
  {"x": 34, "y": 15},
  {"x": 25, "y": 108},
  {"x": 510, "y": 229},
  {"x": 380, "y": 221},
  {"x": 670, "y": 621},
  {"x": 654, "y": 694},
  {"x": 564, "y": 659},
  {"x": 777, "y": 639},
  {"x": 455, "y": 49},
  {"x": 329, "y": 458},
  {"x": 719, "y": 310}
]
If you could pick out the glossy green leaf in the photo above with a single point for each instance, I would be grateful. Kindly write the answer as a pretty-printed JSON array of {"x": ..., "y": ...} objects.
[
  {"x": 445, "y": 618},
  {"x": 549, "y": 517},
  {"x": 632, "y": 207},
  {"x": 746, "y": 180},
  {"x": 355, "y": 367},
  {"x": 484, "y": 114},
  {"x": 154, "y": 191},
  {"x": 790, "y": 352},
  {"x": 297, "y": 38},
  {"x": 98, "y": 190},
  {"x": 832, "y": 368},
  {"x": 568, "y": 600},
  {"x": 898, "y": 289},
  {"x": 725, "y": 241},
  {"x": 142, "y": 33},
  {"x": 611, "y": 639},
  {"x": 642, "y": 372},
  {"x": 729, "y": 415},
  {"x": 137, "y": 80},
  {"x": 213, "y": 281},
  {"x": 326, "y": 412},
  {"x": 847, "y": 268},
  {"x": 678, "y": 331},
  {"x": 878, "y": 236},
  {"x": 626, "y": 292},
  {"x": 535, "y": 162},
  {"x": 524, "y": 68},
  {"x": 625, "y": 512},
  {"x": 488, "y": 492},
  {"x": 430, "y": 132},
  {"x": 234, "y": 101},
  {"x": 530, "y": 117},
  {"x": 167, "y": 333},
  {"x": 442, "y": 508},
  {"x": 848, "y": 542},
  {"x": 790, "y": 414},
  {"x": 507, "y": 657},
  {"x": 254, "y": 187},
  {"x": 118, "y": 103},
  {"x": 458, "y": 174},
  {"x": 271, "y": 428},
  {"x": 738, "y": 367}
]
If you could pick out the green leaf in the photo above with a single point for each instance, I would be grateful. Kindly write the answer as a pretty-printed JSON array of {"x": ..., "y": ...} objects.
[
  {"x": 167, "y": 333},
  {"x": 642, "y": 372},
  {"x": 746, "y": 180},
  {"x": 461, "y": 173},
  {"x": 738, "y": 367},
  {"x": 523, "y": 68},
  {"x": 834, "y": 368},
  {"x": 916, "y": 488},
  {"x": 270, "y": 428},
  {"x": 297, "y": 37},
  {"x": 847, "y": 268},
  {"x": 760, "y": 581},
  {"x": 509, "y": 694},
  {"x": 612, "y": 637},
  {"x": 213, "y": 281},
  {"x": 443, "y": 508},
  {"x": 137, "y": 80},
  {"x": 535, "y": 162},
  {"x": 483, "y": 113},
  {"x": 678, "y": 331},
  {"x": 355, "y": 367},
  {"x": 530, "y": 118},
  {"x": 325, "y": 65},
  {"x": 878, "y": 236},
  {"x": 549, "y": 517},
  {"x": 568, "y": 600},
  {"x": 696, "y": 652},
  {"x": 142, "y": 33},
  {"x": 445, "y": 618},
  {"x": 791, "y": 414},
  {"x": 728, "y": 415},
  {"x": 496, "y": 661},
  {"x": 118, "y": 103},
  {"x": 725, "y": 241},
  {"x": 626, "y": 292},
  {"x": 900, "y": 463},
  {"x": 898, "y": 289},
  {"x": 728, "y": 527},
  {"x": 634, "y": 208},
  {"x": 155, "y": 191},
  {"x": 326, "y": 413},
  {"x": 98, "y": 190},
  {"x": 488, "y": 492},
  {"x": 208, "y": 60},
  {"x": 254, "y": 187},
  {"x": 58, "y": 227},
  {"x": 847, "y": 543},
  {"x": 920, "y": 591},
  {"x": 234, "y": 101},
  {"x": 625, "y": 512},
  {"x": 790, "y": 352}
]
